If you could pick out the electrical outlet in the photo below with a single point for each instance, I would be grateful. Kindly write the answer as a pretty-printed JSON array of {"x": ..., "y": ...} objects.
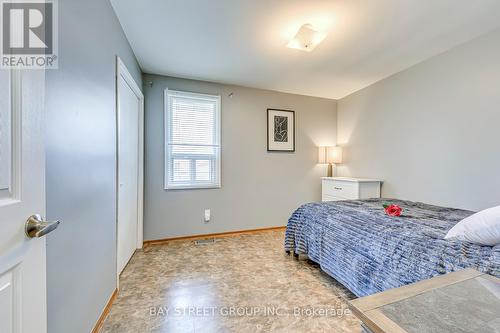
[{"x": 207, "y": 215}]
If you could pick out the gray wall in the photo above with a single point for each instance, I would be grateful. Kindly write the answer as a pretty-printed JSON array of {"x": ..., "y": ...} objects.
[
  {"x": 431, "y": 132},
  {"x": 81, "y": 254},
  {"x": 259, "y": 189}
]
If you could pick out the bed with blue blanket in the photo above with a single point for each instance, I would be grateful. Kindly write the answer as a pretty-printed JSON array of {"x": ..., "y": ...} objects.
[{"x": 367, "y": 251}]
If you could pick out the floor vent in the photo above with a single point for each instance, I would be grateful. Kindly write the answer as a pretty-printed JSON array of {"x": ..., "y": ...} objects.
[{"x": 204, "y": 241}]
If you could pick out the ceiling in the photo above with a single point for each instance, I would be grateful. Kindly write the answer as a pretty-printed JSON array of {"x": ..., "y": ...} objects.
[{"x": 243, "y": 42}]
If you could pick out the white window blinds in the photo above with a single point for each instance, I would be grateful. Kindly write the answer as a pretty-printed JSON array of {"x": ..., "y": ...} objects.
[{"x": 192, "y": 135}]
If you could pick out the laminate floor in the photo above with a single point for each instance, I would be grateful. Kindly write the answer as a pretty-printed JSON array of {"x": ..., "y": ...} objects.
[{"x": 243, "y": 283}]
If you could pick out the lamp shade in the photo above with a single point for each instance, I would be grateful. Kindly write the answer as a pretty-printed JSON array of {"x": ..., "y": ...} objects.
[
  {"x": 322, "y": 155},
  {"x": 329, "y": 154},
  {"x": 334, "y": 155}
]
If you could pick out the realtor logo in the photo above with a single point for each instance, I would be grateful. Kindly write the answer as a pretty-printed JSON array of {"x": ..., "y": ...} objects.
[{"x": 29, "y": 34}]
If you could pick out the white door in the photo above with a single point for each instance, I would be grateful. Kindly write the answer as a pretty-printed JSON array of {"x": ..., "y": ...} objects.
[
  {"x": 129, "y": 106},
  {"x": 22, "y": 193}
]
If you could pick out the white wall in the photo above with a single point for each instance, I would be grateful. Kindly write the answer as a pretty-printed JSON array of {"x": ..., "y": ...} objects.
[
  {"x": 431, "y": 132},
  {"x": 259, "y": 189}
]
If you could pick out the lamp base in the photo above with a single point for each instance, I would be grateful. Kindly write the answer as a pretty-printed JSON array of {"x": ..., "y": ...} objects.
[{"x": 330, "y": 170}]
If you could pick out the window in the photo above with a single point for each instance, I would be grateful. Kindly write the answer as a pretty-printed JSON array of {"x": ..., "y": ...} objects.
[{"x": 192, "y": 140}]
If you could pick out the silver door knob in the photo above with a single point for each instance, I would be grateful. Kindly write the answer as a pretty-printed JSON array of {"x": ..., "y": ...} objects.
[{"x": 36, "y": 227}]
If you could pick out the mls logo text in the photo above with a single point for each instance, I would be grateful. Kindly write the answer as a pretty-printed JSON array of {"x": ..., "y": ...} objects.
[{"x": 29, "y": 34}]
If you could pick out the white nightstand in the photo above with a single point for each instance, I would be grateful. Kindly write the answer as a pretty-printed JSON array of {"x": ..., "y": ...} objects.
[{"x": 344, "y": 188}]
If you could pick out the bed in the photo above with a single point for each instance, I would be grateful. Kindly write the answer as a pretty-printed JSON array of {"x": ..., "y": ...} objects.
[{"x": 367, "y": 251}]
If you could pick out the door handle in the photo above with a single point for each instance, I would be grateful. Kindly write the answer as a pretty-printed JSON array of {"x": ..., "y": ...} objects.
[{"x": 36, "y": 227}]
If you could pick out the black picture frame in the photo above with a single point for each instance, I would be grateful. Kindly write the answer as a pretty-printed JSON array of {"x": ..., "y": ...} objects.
[{"x": 269, "y": 138}]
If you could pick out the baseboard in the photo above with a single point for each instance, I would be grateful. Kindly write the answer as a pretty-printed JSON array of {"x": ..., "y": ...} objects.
[
  {"x": 104, "y": 314},
  {"x": 215, "y": 235}
]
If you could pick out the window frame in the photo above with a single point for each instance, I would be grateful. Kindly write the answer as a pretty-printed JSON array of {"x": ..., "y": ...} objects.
[{"x": 166, "y": 138}]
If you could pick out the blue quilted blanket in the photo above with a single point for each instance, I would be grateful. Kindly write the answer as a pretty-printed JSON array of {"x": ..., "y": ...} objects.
[{"x": 367, "y": 251}]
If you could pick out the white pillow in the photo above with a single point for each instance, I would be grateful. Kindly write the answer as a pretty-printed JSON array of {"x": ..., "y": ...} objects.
[{"x": 482, "y": 228}]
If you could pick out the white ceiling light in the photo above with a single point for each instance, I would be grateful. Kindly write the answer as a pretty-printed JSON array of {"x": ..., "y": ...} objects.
[{"x": 306, "y": 39}]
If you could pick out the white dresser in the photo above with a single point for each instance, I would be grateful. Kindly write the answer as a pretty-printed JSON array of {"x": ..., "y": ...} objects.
[{"x": 344, "y": 188}]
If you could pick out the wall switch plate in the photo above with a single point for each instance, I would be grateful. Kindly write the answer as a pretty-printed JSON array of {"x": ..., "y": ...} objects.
[{"x": 207, "y": 215}]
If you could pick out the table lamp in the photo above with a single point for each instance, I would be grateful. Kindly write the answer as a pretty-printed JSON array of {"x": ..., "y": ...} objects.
[{"x": 329, "y": 155}]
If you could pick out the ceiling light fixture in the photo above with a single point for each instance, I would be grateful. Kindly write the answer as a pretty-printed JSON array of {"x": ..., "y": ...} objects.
[{"x": 306, "y": 39}]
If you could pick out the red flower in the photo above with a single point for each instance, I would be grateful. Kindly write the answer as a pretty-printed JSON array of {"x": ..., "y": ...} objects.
[{"x": 393, "y": 210}]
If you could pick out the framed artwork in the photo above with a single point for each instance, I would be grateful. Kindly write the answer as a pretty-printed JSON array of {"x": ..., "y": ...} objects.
[{"x": 280, "y": 130}]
